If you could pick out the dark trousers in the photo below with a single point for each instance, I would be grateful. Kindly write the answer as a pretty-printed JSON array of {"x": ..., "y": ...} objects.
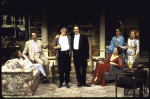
[
  {"x": 64, "y": 65},
  {"x": 80, "y": 66}
]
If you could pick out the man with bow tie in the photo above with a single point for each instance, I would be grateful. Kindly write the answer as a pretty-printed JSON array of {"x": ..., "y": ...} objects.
[{"x": 80, "y": 55}]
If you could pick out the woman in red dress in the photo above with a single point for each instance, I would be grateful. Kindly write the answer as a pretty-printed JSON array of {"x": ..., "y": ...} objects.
[{"x": 102, "y": 67}]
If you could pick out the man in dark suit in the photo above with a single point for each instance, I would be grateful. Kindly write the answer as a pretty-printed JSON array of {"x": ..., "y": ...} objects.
[{"x": 80, "y": 55}]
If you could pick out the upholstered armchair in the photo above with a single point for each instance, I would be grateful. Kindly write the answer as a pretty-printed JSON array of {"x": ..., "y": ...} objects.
[{"x": 111, "y": 75}]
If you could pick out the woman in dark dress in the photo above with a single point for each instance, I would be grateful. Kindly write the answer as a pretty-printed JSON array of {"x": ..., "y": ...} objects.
[{"x": 102, "y": 67}]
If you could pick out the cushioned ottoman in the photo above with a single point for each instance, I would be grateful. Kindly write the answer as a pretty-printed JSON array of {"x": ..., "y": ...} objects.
[{"x": 19, "y": 81}]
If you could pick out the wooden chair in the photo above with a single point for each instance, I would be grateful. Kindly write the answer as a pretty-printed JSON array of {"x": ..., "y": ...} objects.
[
  {"x": 54, "y": 70},
  {"x": 131, "y": 80}
]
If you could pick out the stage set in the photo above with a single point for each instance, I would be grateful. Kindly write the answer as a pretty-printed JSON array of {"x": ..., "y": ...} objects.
[{"x": 97, "y": 20}]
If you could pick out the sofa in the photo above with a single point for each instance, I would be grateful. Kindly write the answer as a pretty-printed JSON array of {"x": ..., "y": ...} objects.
[{"x": 19, "y": 82}]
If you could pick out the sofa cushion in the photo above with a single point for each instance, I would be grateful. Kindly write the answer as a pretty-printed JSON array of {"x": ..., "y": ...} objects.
[{"x": 12, "y": 65}]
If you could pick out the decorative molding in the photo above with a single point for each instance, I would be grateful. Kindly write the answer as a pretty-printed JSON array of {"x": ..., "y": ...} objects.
[{"x": 78, "y": 25}]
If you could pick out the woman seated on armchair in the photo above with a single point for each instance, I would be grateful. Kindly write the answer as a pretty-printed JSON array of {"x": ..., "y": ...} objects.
[
  {"x": 27, "y": 64},
  {"x": 102, "y": 67}
]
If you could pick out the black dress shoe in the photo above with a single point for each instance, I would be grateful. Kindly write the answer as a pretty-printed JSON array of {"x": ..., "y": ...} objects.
[
  {"x": 60, "y": 85},
  {"x": 86, "y": 85},
  {"x": 46, "y": 81},
  {"x": 67, "y": 86},
  {"x": 79, "y": 85},
  {"x": 46, "y": 77}
]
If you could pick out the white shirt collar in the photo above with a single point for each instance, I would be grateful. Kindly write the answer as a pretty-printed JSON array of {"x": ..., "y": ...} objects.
[
  {"x": 77, "y": 34},
  {"x": 33, "y": 40}
]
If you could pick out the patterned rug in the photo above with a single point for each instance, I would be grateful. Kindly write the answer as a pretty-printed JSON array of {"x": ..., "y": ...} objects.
[{"x": 52, "y": 90}]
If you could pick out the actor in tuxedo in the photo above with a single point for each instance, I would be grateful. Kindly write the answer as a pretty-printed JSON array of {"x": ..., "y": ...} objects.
[{"x": 80, "y": 55}]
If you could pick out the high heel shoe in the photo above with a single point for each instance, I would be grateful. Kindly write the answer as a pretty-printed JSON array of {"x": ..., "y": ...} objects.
[
  {"x": 95, "y": 81},
  {"x": 91, "y": 81}
]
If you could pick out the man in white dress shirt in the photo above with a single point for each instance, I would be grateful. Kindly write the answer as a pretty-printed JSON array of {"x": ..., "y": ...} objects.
[{"x": 80, "y": 55}]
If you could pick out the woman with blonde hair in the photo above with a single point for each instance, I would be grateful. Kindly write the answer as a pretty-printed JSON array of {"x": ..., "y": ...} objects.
[{"x": 132, "y": 47}]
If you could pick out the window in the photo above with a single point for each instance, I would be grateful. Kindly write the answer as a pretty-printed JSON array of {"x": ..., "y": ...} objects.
[
  {"x": 35, "y": 25},
  {"x": 20, "y": 20},
  {"x": 8, "y": 20}
]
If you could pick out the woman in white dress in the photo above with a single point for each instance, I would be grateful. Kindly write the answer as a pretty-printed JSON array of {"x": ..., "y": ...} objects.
[{"x": 132, "y": 48}]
